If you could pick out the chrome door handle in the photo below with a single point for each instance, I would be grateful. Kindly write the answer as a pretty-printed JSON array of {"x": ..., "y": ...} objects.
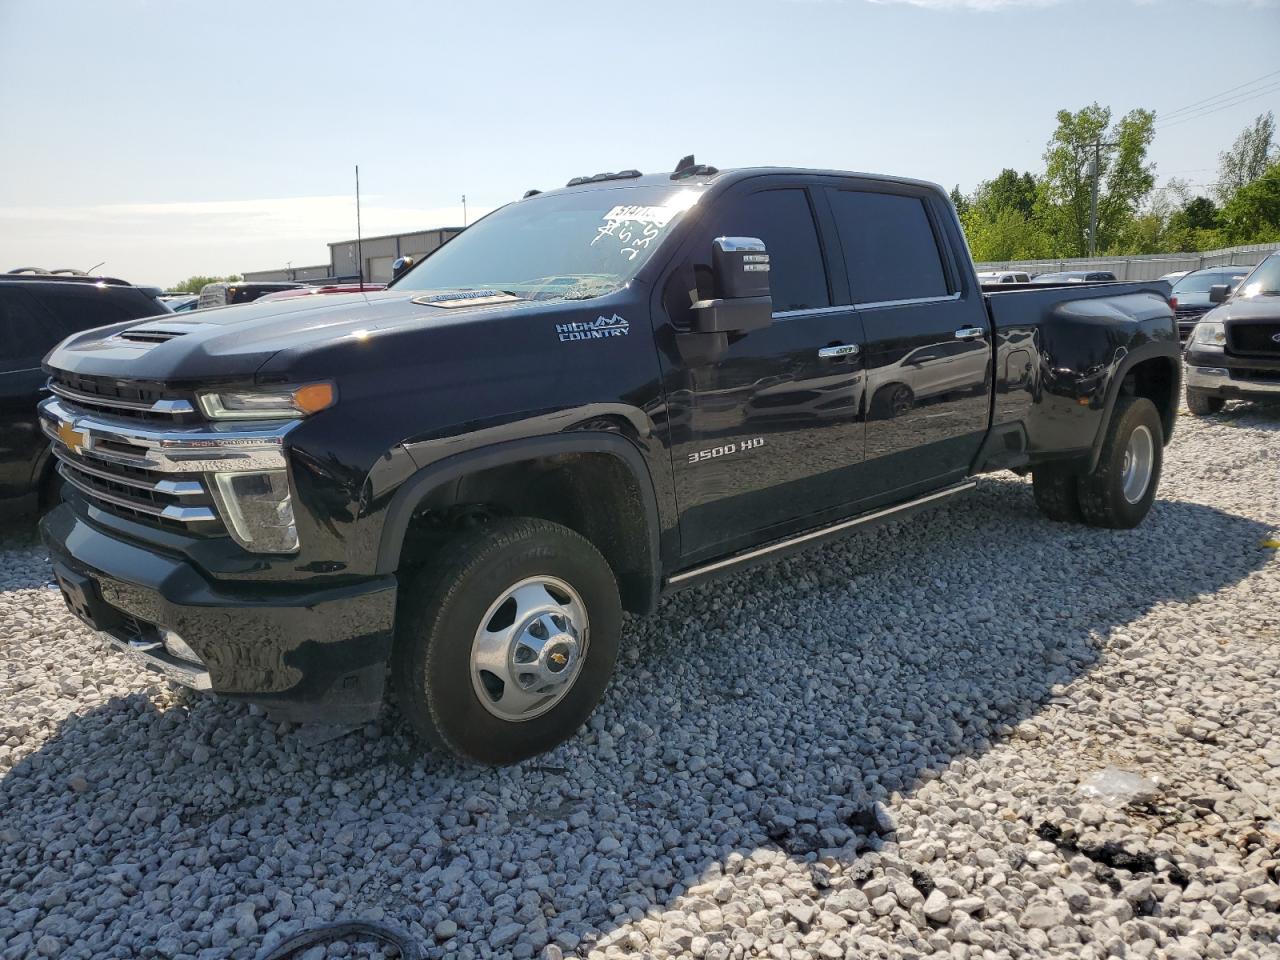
[
  {"x": 969, "y": 333},
  {"x": 842, "y": 350}
]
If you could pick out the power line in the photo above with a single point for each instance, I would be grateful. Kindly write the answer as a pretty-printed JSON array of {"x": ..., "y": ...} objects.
[
  {"x": 1217, "y": 108},
  {"x": 1191, "y": 106}
]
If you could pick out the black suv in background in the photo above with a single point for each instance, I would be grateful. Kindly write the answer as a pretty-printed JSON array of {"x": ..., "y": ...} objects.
[
  {"x": 37, "y": 311},
  {"x": 1190, "y": 296}
]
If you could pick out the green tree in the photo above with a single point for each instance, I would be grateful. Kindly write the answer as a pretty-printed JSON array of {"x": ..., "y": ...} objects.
[
  {"x": 193, "y": 284},
  {"x": 1254, "y": 149},
  {"x": 1008, "y": 191},
  {"x": 1252, "y": 215},
  {"x": 1004, "y": 235},
  {"x": 959, "y": 200},
  {"x": 1125, "y": 179}
]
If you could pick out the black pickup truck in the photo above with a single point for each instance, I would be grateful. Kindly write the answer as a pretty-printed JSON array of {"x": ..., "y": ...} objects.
[
  {"x": 594, "y": 396},
  {"x": 1233, "y": 353}
]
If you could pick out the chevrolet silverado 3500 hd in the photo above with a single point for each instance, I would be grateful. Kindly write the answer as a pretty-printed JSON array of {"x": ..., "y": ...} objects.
[{"x": 593, "y": 396}]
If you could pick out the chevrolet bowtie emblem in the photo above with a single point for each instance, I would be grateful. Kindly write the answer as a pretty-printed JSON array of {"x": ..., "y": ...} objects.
[
  {"x": 559, "y": 659},
  {"x": 74, "y": 439}
]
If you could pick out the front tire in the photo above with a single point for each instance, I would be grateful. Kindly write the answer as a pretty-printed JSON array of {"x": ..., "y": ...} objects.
[
  {"x": 1120, "y": 491},
  {"x": 1202, "y": 404},
  {"x": 506, "y": 642}
]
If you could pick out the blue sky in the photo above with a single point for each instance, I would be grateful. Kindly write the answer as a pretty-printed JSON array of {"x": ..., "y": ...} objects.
[{"x": 171, "y": 137}]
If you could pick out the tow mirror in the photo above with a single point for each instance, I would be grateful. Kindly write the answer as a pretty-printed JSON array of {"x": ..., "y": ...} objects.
[
  {"x": 1218, "y": 293},
  {"x": 400, "y": 267},
  {"x": 740, "y": 271}
]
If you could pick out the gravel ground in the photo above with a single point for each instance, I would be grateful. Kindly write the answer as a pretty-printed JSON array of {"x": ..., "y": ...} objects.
[{"x": 869, "y": 750}]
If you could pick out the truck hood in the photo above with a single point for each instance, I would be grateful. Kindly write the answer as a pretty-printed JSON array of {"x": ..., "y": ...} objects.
[
  {"x": 234, "y": 342},
  {"x": 1255, "y": 308}
]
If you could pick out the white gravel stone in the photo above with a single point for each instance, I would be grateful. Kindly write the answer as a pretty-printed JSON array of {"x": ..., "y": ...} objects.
[{"x": 871, "y": 749}]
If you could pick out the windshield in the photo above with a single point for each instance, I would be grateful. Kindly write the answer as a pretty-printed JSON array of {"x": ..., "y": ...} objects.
[
  {"x": 563, "y": 246},
  {"x": 1201, "y": 282},
  {"x": 1264, "y": 281}
]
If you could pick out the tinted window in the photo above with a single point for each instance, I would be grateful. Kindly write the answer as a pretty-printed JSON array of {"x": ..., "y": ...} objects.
[
  {"x": 84, "y": 309},
  {"x": 889, "y": 246},
  {"x": 783, "y": 220},
  {"x": 27, "y": 332}
]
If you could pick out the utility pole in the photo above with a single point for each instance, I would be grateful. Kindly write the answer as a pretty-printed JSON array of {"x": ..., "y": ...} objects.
[
  {"x": 464, "y": 210},
  {"x": 1095, "y": 171}
]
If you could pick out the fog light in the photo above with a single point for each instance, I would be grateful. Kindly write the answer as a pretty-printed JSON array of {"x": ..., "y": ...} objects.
[{"x": 257, "y": 510}]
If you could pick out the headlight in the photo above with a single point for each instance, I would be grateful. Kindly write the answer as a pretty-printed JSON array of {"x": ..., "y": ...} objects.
[
  {"x": 1209, "y": 333},
  {"x": 268, "y": 404},
  {"x": 257, "y": 510}
]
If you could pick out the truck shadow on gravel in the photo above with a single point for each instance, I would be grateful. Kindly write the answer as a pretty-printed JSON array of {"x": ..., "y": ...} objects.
[{"x": 768, "y": 712}]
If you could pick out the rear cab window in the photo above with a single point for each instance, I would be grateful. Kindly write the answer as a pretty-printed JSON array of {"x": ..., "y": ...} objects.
[{"x": 890, "y": 246}]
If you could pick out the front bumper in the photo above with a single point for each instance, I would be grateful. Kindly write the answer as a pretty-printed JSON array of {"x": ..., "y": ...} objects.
[
  {"x": 304, "y": 652},
  {"x": 1232, "y": 383}
]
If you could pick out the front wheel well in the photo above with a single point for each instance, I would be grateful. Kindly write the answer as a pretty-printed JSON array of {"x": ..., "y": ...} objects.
[{"x": 597, "y": 495}]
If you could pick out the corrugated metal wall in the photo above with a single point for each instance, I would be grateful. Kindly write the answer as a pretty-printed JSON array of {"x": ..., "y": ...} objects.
[{"x": 1147, "y": 266}]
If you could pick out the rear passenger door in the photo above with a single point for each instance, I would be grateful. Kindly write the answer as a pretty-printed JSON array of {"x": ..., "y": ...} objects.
[{"x": 928, "y": 343}]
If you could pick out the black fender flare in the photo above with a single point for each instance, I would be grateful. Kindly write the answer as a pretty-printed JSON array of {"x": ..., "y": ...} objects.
[
  {"x": 1139, "y": 354},
  {"x": 415, "y": 489}
]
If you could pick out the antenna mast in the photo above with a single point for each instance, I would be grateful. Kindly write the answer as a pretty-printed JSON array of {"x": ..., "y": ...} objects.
[{"x": 359, "y": 243}]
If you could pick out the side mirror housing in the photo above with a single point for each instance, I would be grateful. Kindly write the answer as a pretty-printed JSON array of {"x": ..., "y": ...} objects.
[
  {"x": 742, "y": 301},
  {"x": 401, "y": 266},
  {"x": 1218, "y": 293}
]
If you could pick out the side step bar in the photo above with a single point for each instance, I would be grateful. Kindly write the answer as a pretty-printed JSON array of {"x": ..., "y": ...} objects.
[{"x": 780, "y": 547}]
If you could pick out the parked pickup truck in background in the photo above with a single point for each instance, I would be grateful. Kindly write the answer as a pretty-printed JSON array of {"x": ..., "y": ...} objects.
[
  {"x": 1234, "y": 351},
  {"x": 592, "y": 397}
]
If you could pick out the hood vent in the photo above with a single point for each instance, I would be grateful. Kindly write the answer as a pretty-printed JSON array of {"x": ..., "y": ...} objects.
[{"x": 157, "y": 333}]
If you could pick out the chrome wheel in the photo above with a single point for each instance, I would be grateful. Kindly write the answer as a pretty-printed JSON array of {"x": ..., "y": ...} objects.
[
  {"x": 529, "y": 648},
  {"x": 1139, "y": 458}
]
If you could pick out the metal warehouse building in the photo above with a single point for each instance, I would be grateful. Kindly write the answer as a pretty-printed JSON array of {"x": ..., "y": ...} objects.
[{"x": 379, "y": 253}]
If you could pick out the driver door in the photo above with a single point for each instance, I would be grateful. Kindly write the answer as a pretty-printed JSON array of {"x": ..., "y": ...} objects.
[{"x": 769, "y": 431}]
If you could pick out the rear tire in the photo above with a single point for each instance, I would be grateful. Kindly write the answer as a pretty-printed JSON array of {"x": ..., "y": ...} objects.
[
  {"x": 1055, "y": 492},
  {"x": 531, "y": 600},
  {"x": 1120, "y": 491},
  {"x": 1202, "y": 404}
]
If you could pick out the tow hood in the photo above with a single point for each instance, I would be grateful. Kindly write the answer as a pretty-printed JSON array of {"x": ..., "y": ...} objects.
[
  {"x": 234, "y": 342},
  {"x": 1254, "y": 308}
]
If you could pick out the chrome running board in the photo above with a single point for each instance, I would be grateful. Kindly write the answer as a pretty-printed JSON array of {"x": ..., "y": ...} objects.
[{"x": 790, "y": 543}]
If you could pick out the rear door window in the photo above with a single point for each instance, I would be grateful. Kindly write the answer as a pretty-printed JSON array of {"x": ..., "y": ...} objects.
[{"x": 889, "y": 246}]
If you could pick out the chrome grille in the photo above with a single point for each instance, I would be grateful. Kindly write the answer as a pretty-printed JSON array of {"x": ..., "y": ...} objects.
[
  {"x": 157, "y": 473},
  {"x": 122, "y": 398},
  {"x": 139, "y": 492}
]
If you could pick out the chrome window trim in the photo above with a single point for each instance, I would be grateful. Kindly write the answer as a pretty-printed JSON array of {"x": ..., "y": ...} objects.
[
  {"x": 872, "y": 305},
  {"x": 812, "y": 312},
  {"x": 877, "y": 304}
]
